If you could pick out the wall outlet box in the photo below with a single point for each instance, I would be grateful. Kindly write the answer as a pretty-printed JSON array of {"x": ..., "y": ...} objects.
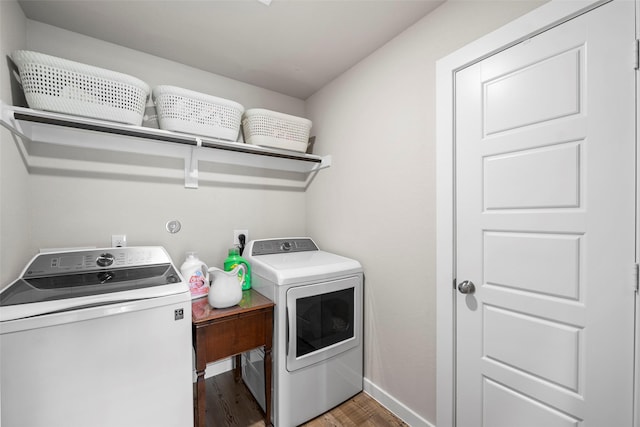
[
  {"x": 237, "y": 233},
  {"x": 118, "y": 240}
]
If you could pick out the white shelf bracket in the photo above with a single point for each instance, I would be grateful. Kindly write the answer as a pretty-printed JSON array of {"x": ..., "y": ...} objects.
[
  {"x": 8, "y": 121},
  {"x": 326, "y": 162},
  {"x": 191, "y": 166}
]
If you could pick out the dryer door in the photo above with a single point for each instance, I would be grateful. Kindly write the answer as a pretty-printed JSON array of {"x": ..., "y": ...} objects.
[{"x": 323, "y": 320}]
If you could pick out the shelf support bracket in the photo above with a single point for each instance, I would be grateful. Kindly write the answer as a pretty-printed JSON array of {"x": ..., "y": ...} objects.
[
  {"x": 326, "y": 162},
  {"x": 191, "y": 166},
  {"x": 10, "y": 123}
]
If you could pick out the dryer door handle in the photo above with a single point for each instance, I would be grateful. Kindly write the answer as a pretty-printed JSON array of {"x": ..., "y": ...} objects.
[{"x": 287, "y": 333}]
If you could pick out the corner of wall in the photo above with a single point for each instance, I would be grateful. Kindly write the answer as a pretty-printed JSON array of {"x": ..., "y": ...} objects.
[
  {"x": 398, "y": 408},
  {"x": 14, "y": 177}
]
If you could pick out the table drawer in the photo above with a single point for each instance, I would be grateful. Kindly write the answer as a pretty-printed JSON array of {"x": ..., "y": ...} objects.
[{"x": 233, "y": 335}]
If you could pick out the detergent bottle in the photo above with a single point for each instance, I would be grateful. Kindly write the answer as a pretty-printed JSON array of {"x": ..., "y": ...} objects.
[
  {"x": 196, "y": 274},
  {"x": 235, "y": 259}
]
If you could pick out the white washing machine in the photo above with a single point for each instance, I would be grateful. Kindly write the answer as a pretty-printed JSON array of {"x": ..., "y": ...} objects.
[
  {"x": 97, "y": 338},
  {"x": 318, "y": 343}
]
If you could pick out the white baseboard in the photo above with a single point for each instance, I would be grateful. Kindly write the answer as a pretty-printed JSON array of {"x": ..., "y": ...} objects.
[
  {"x": 394, "y": 405},
  {"x": 385, "y": 399},
  {"x": 216, "y": 368}
]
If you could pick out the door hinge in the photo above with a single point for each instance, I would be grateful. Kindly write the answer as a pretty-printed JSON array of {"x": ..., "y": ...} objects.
[
  {"x": 636, "y": 65},
  {"x": 636, "y": 268}
]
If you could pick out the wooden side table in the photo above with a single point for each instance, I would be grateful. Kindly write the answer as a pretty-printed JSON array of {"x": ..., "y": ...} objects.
[{"x": 221, "y": 333}]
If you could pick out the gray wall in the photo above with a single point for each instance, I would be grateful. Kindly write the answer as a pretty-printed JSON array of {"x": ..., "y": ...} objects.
[
  {"x": 54, "y": 208},
  {"x": 377, "y": 201},
  {"x": 15, "y": 231}
]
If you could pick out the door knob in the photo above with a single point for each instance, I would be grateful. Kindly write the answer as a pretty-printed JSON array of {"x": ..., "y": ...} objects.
[{"x": 467, "y": 287}]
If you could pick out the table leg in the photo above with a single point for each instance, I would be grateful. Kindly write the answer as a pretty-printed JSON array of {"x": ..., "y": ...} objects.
[
  {"x": 237, "y": 371},
  {"x": 267, "y": 384},
  {"x": 199, "y": 420}
]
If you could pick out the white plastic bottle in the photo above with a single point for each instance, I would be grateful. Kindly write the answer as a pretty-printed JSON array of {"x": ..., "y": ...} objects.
[{"x": 196, "y": 274}]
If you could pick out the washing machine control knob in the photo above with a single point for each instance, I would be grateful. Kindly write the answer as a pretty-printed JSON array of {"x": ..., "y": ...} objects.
[
  {"x": 286, "y": 246},
  {"x": 105, "y": 259}
]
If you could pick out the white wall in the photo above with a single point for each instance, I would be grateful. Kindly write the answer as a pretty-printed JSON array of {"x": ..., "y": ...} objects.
[
  {"x": 377, "y": 201},
  {"x": 64, "y": 209},
  {"x": 14, "y": 190},
  {"x": 152, "y": 69}
]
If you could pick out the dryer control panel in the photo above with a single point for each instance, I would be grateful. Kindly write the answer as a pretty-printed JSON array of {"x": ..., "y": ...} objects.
[{"x": 278, "y": 246}]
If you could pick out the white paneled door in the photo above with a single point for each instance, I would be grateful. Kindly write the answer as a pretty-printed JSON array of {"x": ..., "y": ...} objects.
[{"x": 545, "y": 226}]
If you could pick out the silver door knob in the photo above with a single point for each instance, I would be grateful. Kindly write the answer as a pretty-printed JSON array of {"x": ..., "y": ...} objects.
[{"x": 467, "y": 287}]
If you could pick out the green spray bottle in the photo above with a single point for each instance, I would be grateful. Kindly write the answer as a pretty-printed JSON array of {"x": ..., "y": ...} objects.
[{"x": 233, "y": 260}]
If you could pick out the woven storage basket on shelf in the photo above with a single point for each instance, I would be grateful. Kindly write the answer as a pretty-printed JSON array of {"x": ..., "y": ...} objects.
[
  {"x": 184, "y": 110},
  {"x": 59, "y": 85},
  {"x": 277, "y": 130}
]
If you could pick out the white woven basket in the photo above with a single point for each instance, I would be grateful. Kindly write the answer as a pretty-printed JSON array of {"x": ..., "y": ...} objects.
[
  {"x": 277, "y": 130},
  {"x": 55, "y": 84},
  {"x": 184, "y": 110}
]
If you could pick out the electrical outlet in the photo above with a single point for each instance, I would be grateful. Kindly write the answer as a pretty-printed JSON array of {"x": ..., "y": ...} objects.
[
  {"x": 118, "y": 240},
  {"x": 236, "y": 233}
]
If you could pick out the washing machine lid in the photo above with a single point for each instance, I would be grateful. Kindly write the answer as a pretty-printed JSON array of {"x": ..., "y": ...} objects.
[
  {"x": 296, "y": 260},
  {"x": 61, "y": 281}
]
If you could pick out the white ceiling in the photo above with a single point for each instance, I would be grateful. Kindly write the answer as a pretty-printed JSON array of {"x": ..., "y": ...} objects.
[{"x": 292, "y": 46}]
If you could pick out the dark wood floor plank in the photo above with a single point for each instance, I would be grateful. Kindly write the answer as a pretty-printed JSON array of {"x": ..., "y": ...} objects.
[{"x": 230, "y": 404}]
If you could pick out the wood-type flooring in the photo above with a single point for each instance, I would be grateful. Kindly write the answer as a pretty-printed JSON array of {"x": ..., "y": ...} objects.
[{"x": 230, "y": 403}]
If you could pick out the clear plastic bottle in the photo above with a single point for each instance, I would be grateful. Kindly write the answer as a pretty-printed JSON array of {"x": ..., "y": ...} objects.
[{"x": 196, "y": 274}]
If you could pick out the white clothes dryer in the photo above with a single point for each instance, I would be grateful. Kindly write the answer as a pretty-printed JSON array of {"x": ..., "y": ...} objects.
[{"x": 318, "y": 343}]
